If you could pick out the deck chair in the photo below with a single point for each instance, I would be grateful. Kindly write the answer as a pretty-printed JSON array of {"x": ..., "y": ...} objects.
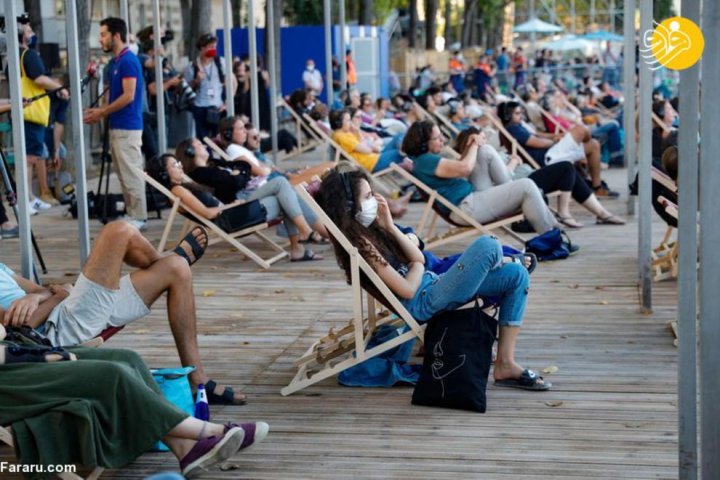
[
  {"x": 383, "y": 180},
  {"x": 665, "y": 255},
  {"x": 438, "y": 206},
  {"x": 217, "y": 234},
  {"x": 445, "y": 124},
  {"x": 547, "y": 118},
  {"x": 6, "y": 432},
  {"x": 307, "y": 140},
  {"x": 344, "y": 348},
  {"x": 302, "y": 176}
]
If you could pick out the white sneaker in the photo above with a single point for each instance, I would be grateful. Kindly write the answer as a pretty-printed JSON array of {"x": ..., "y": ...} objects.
[
  {"x": 32, "y": 211},
  {"x": 137, "y": 223},
  {"x": 38, "y": 204}
]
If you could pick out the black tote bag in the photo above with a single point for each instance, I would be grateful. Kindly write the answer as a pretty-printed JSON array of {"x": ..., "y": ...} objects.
[{"x": 458, "y": 354}]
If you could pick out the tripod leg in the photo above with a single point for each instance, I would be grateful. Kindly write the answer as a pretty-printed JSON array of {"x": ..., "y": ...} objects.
[{"x": 38, "y": 253}]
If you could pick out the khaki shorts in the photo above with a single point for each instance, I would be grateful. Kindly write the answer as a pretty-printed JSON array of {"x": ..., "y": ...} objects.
[{"x": 91, "y": 308}]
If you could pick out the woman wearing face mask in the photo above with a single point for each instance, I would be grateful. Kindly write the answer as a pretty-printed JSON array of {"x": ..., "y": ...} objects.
[
  {"x": 312, "y": 78},
  {"x": 364, "y": 218},
  {"x": 206, "y": 75}
]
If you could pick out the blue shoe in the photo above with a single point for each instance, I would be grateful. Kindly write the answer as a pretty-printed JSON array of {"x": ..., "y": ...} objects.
[{"x": 12, "y": 232}]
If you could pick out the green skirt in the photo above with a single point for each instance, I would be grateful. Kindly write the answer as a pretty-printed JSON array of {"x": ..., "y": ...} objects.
[{"x": 103, "y": 410}]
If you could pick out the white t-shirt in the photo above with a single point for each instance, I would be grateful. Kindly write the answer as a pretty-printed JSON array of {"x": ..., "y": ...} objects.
[
  {"x": 313, "y": 80},
  {"x": 234, "y": 151}
]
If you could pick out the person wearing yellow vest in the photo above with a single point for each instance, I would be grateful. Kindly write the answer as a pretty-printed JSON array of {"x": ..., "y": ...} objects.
[{"x": 34, "y": 81}]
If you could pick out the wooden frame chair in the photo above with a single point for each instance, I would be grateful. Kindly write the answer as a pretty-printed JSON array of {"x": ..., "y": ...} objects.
[
  {"x": 382, "y": 178},
  {"x": 438, "y": 206},
  {"x": 344, "y": 348},
  {"x": 219, "y": 234},
  {"x": 302, "y": 131},
  {"x": 665, "y": 255}
]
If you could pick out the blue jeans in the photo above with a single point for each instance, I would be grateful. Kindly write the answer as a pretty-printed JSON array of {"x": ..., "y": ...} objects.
[
  {"x": 478, "y": 272},
  {"x": 611, "y": 131},
  {"x": 390, "y": 153}
]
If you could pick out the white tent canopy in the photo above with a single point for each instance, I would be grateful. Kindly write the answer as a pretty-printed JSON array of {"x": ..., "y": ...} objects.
[
  {"x": 570, "y": 43},
  {"x": 535, "y": 25}
]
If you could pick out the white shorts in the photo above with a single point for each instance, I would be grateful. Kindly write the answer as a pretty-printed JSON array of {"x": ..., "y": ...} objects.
[
  {"x": 91, "y": 308},
  {"x": 566, "y": 150}
]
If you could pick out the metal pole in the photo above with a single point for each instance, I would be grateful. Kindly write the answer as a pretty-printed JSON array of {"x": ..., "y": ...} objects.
[
  {"x": 227, "y": 47},
  {"x": 254, "y": 106},
  {"x": 687, "y": 262},
  {"x": 76, "y": 117},
  {"x": 159, "y": 90},
  {"x": 21, "y": 177},
  {"x": 124, "y": 12},
  {"x": 328, "y": 51},
  {"x": 533, "y": 35},
  {"x": 629, "y": 92},
  {"x": 574, "y": 18},
  {"x": 270, "y": 24},
  {"x": 341, "y": 58},
  {"x": 612, "y": 16},
  {"x": 592, "y": 12},
  {"x": 645, "y": 162},
  {"x": 709, "y": 362}
]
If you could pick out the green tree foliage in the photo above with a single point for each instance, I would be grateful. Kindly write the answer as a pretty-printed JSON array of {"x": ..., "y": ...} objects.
[{"x": 304, "y": 12}]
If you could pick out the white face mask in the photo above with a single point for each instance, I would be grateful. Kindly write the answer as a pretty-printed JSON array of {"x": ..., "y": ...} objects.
[
  {"x": 310, "y": 67},
  {"x": 368, "y": 212}
]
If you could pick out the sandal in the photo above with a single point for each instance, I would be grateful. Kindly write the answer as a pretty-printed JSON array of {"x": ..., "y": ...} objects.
[
  {"x": 610, "y": 220},
  {"x": 308, "y": 256},
  {"x": 569, "y": 222},
  {"x": 520, "y": 258},
  {"x": 197, "y": 240},
  {"x": 226, "y": 398},
  {"x": 14, "y": 354},
  {"x": 315, "y": 238},
  {"x": 528, "y": 380}
]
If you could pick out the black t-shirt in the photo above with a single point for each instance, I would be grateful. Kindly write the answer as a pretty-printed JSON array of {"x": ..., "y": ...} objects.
[{"x": 32, "y": 63}]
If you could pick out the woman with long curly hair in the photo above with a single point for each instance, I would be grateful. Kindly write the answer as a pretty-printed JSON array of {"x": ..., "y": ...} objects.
[{"x": 363, "y": 216}]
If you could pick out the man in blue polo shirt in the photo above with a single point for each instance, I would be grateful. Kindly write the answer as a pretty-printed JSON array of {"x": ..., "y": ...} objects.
[{"x": 124, "y": 109}]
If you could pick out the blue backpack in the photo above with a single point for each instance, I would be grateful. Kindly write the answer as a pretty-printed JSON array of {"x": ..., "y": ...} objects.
[{"x": 548, "y": 246}]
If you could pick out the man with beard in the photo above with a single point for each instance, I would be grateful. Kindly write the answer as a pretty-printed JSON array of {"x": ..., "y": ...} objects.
[{"x": 124, "y": 109}]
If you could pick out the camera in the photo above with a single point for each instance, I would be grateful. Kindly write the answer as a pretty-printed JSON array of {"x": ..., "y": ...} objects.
[
  {"x": 184, "y": 95},
  {"x": 22, "y": 19}
]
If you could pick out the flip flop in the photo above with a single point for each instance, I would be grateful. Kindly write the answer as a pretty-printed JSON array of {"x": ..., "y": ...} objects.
[
  {"x": 528, "y": 380},
  {"x": 308, "y": 256},
  {"x": 192, "y": 239},
  {"x": 519, "y": 258},
  {"x": 315, "y": 238},
  {"x": 569, "y": 222},
  {"x": 226, "y": 398},
  {"x": 610, "y": 220}
]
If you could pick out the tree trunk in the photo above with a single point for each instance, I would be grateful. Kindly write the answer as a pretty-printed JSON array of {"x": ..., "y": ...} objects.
[
  {"x": 237, "y": 6},
  {"x": 430, "y": 23},
  {"x": 365, "y": 12},
  {"x": 188, "y": 41},
  {"x": 468, "y": 21},
  {"x": 448, "y": 24},
  {"x": 412, "y": 34},
  {"x": 32, "y": 7}
]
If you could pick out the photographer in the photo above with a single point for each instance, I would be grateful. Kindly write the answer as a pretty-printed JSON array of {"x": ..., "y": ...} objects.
[
  {"x": 37, "y": 113},
  {"x": 206, "y": 75}
]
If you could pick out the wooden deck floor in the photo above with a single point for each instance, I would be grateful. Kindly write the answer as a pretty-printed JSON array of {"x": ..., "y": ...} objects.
[{"x": 611, "y": 414}]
